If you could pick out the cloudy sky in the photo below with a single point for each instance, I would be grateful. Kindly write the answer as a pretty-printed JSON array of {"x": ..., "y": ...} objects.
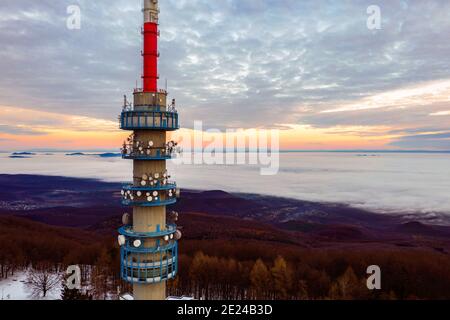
[{"x": 310, "y": 68}]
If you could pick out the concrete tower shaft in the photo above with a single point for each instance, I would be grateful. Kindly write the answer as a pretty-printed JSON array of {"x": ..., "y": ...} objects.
[{"x": 149, "y": 244}]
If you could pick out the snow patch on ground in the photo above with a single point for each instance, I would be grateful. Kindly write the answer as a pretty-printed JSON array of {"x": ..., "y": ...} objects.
[{"x": 15, "y": 288}]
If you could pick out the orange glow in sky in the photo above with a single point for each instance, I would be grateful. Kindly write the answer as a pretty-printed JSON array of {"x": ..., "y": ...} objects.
[
  {"x": 75, "y": 133},
  {"x": 25, "y": 129}
]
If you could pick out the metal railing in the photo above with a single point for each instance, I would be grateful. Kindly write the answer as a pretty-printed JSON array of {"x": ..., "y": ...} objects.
[{"x": 151, "y": 120}]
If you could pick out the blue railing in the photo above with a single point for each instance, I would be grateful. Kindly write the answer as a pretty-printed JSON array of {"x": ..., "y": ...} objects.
[
  {"x": 149, "y": 265},
  {"x": 136, "y": 156},
  {"x": 157, "y": 187},
  {"x": 158, "y": 203},
  {"x": 128, "y": 231},
  {"x": 149, "y": 120}
]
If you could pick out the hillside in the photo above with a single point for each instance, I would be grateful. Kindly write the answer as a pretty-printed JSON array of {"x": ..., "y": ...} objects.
[{"x": 226, "y": 235}]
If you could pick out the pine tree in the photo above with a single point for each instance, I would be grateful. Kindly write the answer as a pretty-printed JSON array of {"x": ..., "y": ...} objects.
[
  {"x": 261, "y": 281},
  {"x": 345, "y": 287},
  {"x": 282, "y": 278}
]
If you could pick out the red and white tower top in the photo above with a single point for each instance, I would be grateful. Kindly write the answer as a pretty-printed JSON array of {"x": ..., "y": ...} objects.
[{"x": 150, "y": 53}]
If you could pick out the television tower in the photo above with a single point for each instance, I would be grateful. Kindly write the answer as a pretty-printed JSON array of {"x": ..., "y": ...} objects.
[{"x": 149, "y": 250}]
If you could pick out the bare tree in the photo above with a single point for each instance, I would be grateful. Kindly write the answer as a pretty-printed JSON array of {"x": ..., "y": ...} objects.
[{"x": 41, "y": 282}]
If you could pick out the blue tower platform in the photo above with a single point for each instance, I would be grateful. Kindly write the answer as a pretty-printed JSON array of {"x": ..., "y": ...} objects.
[{"x": 149, "y": 257}]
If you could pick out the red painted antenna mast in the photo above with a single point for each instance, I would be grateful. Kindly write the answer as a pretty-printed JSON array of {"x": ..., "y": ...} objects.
[{"x": 150, "y": 53}]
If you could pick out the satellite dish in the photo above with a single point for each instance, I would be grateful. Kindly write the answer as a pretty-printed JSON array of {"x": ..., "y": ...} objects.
[
  {"x": 140, "y": 148},
  {"x": 143, "y": 183},
  {"x": 156, "y": 175},
  {"x": 149, "y": 199},
  {"x": 139, "y": 193},
  {"x": 150, "y": 143},
  {"x": 121, "y": 240},
  {"x": 137, "y": 243},
  {"x": 144, "y": 177},
  {"x": 155, "y": 193},
  {"x": 126, "y": 219},
  {"x": 156, "y": 198},
  {"x": 170, "y": 144},
  {"x": 165, "y": 175},
  {"x": 178, "y": 235},
  {"x": 148, "y": 152},
  {"x": 166, "y": 238},
  {"x": 148, "y": 194},
  {"x": 171, "y": 236},
  {"x": 122, "y": 192}
]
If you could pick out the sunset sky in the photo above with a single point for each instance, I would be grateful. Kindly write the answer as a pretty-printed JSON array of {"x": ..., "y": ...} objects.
[{"x": 311, "y": 69}]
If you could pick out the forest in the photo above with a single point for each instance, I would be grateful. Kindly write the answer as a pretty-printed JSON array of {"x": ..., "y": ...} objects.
[{"x": 229, "y": 269}]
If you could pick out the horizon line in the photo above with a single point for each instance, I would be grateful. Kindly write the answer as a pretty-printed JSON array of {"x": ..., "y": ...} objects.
[{"x": 246, "y": 151}]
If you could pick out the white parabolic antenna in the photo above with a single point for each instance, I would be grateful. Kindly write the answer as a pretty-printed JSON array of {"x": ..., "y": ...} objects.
[
  {"x": 126, "y": 219},
  {"x": 137, "y": 243},
  {"x": 121, "y": 240}
]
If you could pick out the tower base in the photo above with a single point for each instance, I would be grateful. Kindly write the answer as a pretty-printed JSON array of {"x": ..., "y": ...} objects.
[{"x": 155, "y": 291}]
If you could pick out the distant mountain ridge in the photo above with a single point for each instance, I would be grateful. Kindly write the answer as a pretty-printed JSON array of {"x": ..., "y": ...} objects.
[{"x": 92, "y": 204}]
